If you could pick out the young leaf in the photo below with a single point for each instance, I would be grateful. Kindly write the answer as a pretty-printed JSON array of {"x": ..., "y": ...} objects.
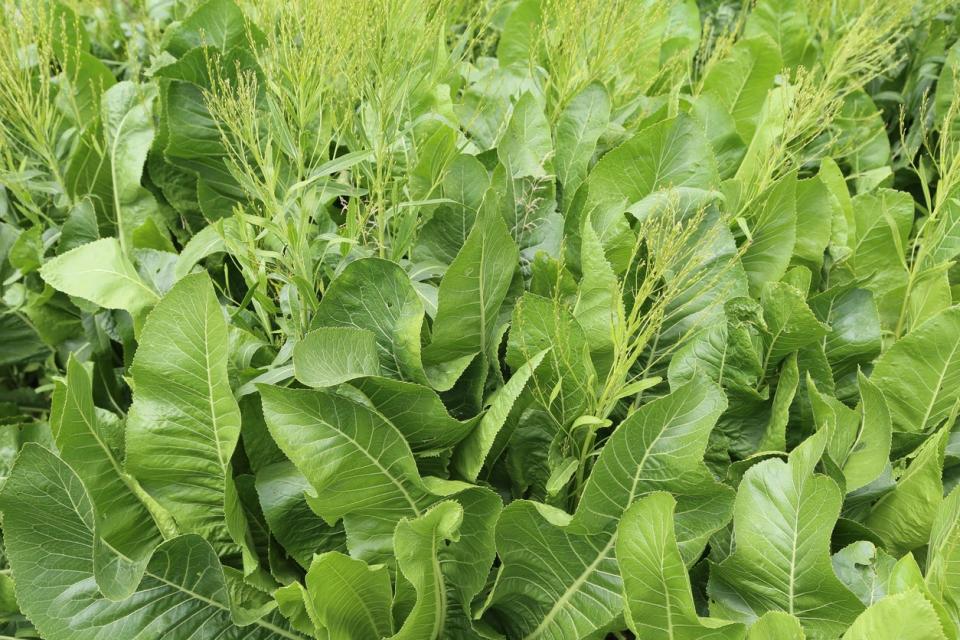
[
  {"x": 471, "y": 453},
  {"x": 417, "y": 542},
  {"x": 471, "y": 292}
]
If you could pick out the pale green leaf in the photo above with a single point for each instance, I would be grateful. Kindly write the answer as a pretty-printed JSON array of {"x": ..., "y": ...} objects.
[
  {"x": 904, "y": 616},
  {"x": 99, "y": 272}
]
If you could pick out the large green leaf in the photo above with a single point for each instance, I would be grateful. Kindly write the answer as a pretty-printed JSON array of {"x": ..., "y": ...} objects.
[
  {"x": 329, "y": 356},
  {"x": 184, "y": 422},
  {"x": 659, "y": 602},
  {"x": 742, "y": 80},
  {"x": 377, "y": 295},
  {"x": 92, "y": 442},
  {"x": 282, "y": 491},
  {"x": 579, "y": 128},
  {"x": 782, "y": 521},
  {"x": 773, "y": 232},
  {"x": 878, "y": 244},
  {"x": 920, "y": 374},
  {"x": 553, "y": 583},
  {"x": 417, "y": 412},
  {"x": 218, "y": 23},
  {"x": 904, "y": 517},
  {"x": 49, "y": 537},
  {"x": 471, "y": 292},
  {"x": 128, "y": 128},
  {"x": 659, "y": 162},
  {"x": 599, "y": 307},
  {"x": 351, "y": 599},
  {"x": 943, "y": 555},
  {"x": 904, "y": 616},
  {"x": 356, "y": 462},
  {"x": 659, "y": 448},
  {"x": 526, "y": 147}
]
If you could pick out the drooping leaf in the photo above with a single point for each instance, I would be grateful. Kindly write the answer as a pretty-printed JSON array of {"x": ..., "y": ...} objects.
[
  {"x": 92, "y": 443},
  {"x": 100, "y": 272},
  {"x": 354, "y": 460}
]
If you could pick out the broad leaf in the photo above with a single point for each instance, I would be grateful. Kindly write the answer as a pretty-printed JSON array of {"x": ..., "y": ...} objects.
[
  {"x": 904, "y": 616},
  {"x": 101, "y": 273},
  {"x": 183, "y": 594},
  {"x": 184, "y": 422},
  {"x": 329, "y": 356},
  {"x": 920, "y": 374},
  {"x": 92, "y": 442},
  {"x": 659, "y": 603},
  {"x": 782, "y": 521}
]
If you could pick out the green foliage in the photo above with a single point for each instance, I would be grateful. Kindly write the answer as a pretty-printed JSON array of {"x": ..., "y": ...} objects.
[{"x": 479, "y": 319}]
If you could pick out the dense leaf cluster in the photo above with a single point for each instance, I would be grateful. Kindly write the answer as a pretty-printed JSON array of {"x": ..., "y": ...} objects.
[{"x": 452, "y": 319}]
